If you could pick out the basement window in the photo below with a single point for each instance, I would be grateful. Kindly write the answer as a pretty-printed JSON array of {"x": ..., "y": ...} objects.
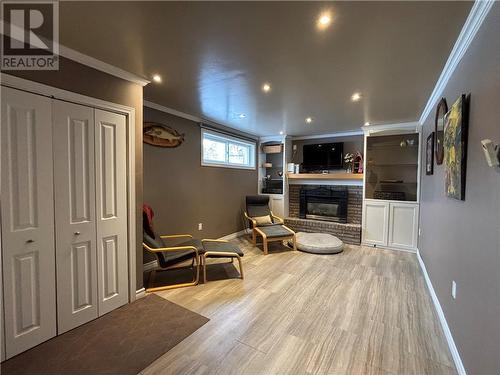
[{"x": 221, "y": 150}]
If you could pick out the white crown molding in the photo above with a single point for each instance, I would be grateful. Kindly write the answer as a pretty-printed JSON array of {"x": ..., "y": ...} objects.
[
  {"x": 89, "y": 61},
  {"x": 442, "y": 319},
  {"x": 101, "y": 65},
  {"x": 171, "y": 111},
  {"x": 412, "y": 126},
  {"x": 330, "y": 135},
  {"x": 478, "y": 13}
]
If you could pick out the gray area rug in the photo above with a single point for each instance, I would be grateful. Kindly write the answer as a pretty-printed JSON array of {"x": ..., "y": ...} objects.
[{"x": 125, "y": 341}]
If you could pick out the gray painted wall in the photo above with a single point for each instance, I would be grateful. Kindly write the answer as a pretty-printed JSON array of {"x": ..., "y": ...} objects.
[
  {"x": 183, "y": 193},
  {"x": 461, "y": 240}
]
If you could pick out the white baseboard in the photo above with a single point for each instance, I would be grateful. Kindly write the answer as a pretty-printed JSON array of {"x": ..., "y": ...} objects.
[
  {"x": 150, "y": 265},
  {"x": 413, "y": 251},
  {"x": 234, "y": 235},
  {"x": 140, "y": 293},
  {"x": 442, "y": 319}
]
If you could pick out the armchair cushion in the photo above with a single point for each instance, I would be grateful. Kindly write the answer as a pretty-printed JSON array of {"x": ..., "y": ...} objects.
[{"x": 257, "y": 205}]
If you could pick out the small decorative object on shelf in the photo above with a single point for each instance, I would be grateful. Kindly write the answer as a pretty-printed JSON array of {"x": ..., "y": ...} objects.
[
  {"x": 348, "y": 162},
  {"x": 267, "y": 165},
  {"x": 357, "y": 164}
]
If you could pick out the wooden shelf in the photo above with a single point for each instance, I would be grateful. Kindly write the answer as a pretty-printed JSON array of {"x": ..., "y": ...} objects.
[{"x": 325, "y": 176}]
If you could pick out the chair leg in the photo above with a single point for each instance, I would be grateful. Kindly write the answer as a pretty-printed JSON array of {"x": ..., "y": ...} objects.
[
  {"x": 241, "y": 266},
  {"x": 195, "y": 281},
  {"x": 254, "y": 237},
  {"x": 204, "y": 262},
  {"x": 265, "y": 246}
]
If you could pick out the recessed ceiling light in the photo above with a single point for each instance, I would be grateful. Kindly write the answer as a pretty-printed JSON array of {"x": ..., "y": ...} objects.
[
  {"x": 242, "y": 115},
  {"x": 367, "y": 123},
  {"x": 266, "y": 87},
  {"x": 324, "y": 20},
  {"x": 356, "y": 97},
  {"x": 157, "y": 78},
  {"x": 281, "y": 132},
  {"x": 309, "y": 120}
]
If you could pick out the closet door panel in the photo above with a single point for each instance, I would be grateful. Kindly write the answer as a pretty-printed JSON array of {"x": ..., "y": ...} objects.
[
  {"x": 111, "y": 203},
  {"x": 74, "y": 178},
  {"x": 27, "y": 220}
]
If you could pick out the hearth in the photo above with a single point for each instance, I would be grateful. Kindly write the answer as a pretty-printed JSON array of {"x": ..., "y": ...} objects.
[{"x": 324, "y": 203}]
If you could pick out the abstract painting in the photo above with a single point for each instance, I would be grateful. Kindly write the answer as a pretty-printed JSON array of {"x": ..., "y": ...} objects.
[{"x": 455, "y": 148}]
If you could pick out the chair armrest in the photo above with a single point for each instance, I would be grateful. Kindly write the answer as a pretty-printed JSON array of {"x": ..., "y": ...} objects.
[
  {"x": 277, "y": 218},
  {"x": 211, "y": 240},
  {"x": 254, "y": 222},
  {"x": 169, "y": 249},
  {"x": 176, "y": 236}
]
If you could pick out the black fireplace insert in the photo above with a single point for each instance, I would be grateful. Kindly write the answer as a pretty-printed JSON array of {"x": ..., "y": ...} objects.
[{"x": 324, "y": 203}]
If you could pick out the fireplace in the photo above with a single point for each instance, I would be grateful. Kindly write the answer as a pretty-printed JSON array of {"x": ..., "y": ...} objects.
[{"x": 324, "y": 203}]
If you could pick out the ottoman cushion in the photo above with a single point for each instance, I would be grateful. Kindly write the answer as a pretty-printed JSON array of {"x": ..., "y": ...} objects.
[
  {"x": 319, "y": 243},
  {"x": 223, "y": 247}
]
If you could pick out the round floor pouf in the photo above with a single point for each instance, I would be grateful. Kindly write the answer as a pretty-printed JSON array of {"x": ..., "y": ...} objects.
[{"x": 318, "y": 243}]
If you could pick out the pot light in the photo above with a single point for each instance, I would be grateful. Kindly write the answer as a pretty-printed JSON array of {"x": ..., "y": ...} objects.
[
  {"x": 367, "y": 123},
  {"x": 281, "y": 132},
  {"x": 157, "y": 78},
  {"x": 309, "y": 120},
  {"x": 324, "y": 20},
  {"x": 356, "y": 97},
  {"x": 266, "y": 87},
  {"x": 242, "y": 115}
]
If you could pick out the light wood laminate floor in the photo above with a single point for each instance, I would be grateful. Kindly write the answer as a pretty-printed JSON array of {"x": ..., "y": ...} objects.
[{"x": 364, "y": 311}]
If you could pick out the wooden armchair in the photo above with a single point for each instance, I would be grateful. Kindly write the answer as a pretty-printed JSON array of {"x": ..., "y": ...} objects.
[
  {"x": 171, "y": 256},
  {"x": 265, "y": 224}
]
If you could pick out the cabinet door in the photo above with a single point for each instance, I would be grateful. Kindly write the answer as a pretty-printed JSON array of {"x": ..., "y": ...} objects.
[
  {"x": 403, "y": 225},
  {"x": 111, "y": 210},
  {"x": 27, "y": 220},
  {"x": 74, "y": 181},
  {"x": 276, "y": 205},
  {"x": 375, "y": 222}
]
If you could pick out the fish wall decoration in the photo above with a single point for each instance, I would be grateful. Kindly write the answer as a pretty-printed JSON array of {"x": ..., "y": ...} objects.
[{"x": 160, "y": 135}]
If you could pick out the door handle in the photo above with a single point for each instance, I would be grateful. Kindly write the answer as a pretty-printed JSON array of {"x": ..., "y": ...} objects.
[
  {"x": 30, "y": 241},
  {"x": 77, "y": 233}
]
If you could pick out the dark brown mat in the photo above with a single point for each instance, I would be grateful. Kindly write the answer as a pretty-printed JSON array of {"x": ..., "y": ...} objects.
[{"x": 124, "y": 341}]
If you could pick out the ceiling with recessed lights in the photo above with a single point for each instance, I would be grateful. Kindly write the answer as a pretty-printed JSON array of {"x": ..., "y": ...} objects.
[{"x": 270, "y": 67}]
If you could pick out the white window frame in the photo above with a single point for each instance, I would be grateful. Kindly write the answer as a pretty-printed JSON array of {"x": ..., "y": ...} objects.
[{"x": 228, "y": 139}]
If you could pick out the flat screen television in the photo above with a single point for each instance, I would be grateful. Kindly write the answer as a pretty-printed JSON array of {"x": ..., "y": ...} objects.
[{"x": 323, "y": 156}]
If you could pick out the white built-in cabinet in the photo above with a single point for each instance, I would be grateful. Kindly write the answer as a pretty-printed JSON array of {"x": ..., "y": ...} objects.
[
  {"x": 390, "y": 224},
  {"x": 64, "y": 216},
  {"x": 391, "y": 187}
]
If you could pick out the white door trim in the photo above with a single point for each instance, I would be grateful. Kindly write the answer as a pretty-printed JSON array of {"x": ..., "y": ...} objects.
[{"x": 129, "y": 112}]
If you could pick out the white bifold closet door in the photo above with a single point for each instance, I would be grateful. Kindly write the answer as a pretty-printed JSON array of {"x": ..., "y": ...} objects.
[
  {"x": 111, "y": 203},
  {"x": 27, "y": 220},
  {"x": 74, "y": 182}
]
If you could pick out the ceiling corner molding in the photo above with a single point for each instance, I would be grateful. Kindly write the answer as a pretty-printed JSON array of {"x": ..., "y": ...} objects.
[
  {"x": 478, "y": 13},
  {"x": 413, "y": 126},
  {"x": 328, "y": 135},
  {"x": 171, "y": 111},
  {"x": 101, "y": 65}
]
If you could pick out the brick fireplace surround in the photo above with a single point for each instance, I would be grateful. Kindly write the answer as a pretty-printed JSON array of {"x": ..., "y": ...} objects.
[{"x": 349, "y": 232}]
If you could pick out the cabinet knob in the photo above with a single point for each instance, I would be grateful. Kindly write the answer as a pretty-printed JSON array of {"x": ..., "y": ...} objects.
[{"x": 77, "y": 233}]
